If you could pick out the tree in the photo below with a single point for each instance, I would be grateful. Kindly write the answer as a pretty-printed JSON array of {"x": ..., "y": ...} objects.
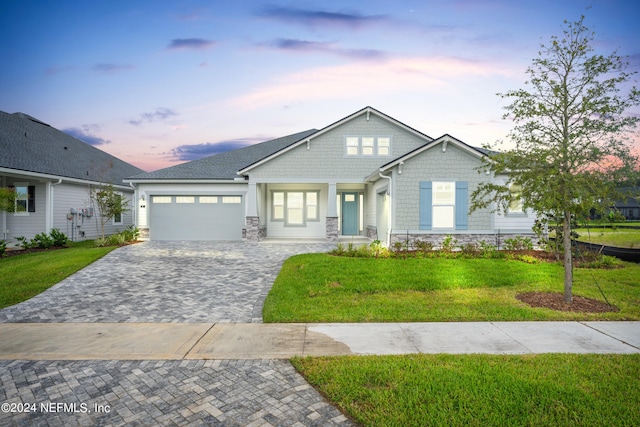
[
  {"x": 7, "y": 199},
  {"x": 109, "y": 203},
  {"x": 571, "y": 135}
]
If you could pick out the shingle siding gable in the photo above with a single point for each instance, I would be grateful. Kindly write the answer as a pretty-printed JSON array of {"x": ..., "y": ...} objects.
[{"x": 324, "y": 157}]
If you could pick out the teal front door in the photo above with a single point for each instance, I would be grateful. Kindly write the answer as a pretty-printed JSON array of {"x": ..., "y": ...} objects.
[{"x": 350, "y": 214}]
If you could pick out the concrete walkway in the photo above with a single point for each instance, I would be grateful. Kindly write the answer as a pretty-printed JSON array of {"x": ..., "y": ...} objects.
[{"x": 207, "y": 341}]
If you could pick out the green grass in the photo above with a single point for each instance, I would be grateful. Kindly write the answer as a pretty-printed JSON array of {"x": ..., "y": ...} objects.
[
  {"x": 24, "y": 276},
  {"x": 620, "y": 237},
  {"x": 325, "y": 288},
  {"x": 481, "y": 390}
]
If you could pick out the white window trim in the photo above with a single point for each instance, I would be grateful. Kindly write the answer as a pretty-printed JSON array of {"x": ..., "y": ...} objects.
[
  {"x": 26, "y": 207},
  {"x": 305, "y": 207},
  {"x": 113, "y": 220},
  {"x": 435, "y": 206},
  {"x": 360, "y": 146}
]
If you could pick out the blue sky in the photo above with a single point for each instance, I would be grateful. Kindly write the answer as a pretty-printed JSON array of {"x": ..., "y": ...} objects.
[{"x": 157, "y": 83}]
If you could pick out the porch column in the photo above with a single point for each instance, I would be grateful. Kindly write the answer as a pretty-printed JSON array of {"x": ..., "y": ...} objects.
[
  {"x": 252, "y": 219},
  {"x": 332, "y": 214}
]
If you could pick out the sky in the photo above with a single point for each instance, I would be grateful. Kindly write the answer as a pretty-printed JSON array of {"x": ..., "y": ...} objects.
[{"x": 157, "y": 83}]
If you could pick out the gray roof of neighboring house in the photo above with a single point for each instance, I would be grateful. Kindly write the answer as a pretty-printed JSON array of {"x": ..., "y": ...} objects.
[
  {"x": 224, "y": 166},
  {"x": 27, "y": 144}
]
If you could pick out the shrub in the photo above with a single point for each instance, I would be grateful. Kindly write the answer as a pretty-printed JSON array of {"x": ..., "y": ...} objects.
[
  {"x": 101, "y": 242},
  {"x": 378, "y": 250},
  {"x": 3, "y": 247},
  {"x": 518, "y": 243},
  {"x": 117, "y": 239},
  {"x": 58, "y": 237},
  {"x": 42, "y": 241},
  {"x": 472, "y": 249},
  {"x": 24, "y": 243},
  {"x": 131, "y": 233},
  {"x": 449, "y": 244},
  {"x": 423, "y": 246}
]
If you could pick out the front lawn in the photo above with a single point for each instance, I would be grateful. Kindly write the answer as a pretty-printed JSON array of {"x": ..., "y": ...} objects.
[
  {"x": 480, "y": 390},
  {"x": 324, "y": 288},
  {"x": 24, "y": 276}
]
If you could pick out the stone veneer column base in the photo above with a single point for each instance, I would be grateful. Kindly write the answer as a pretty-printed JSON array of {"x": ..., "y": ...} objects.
[
  {"x": 252, "y": 233},
  {"x": 332, "y": 229},
  {"x": 144, "y": 233}
]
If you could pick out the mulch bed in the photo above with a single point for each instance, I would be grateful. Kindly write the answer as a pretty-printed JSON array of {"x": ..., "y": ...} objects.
[
  {"x": 555, "y": 301},
  {"x": 20, "y": 251}
]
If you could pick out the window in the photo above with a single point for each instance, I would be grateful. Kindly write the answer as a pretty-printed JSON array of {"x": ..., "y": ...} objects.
[
  {"x": 161, "y": 199},
  {"x": 352, "y": 146},
  {"x": 367, "y": 146},
  {"x": 25, "y": 200},
  {"x": 208, "y": 199},
  {"x": 444, "y": 205},
  {"x": 278, "y": 207},
  {"x": 383, "y": 146},
  {"x": 444, "y": 196},
  {"x": 185, "y": 199},
  {"x": 117, "y": 217},
  {"x": 232, "y": 200},
  {"x": 295, "y": 208},
  {"x": 515, "y": 205}
]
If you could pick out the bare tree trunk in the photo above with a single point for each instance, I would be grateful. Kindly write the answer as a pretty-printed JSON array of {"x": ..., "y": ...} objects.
[{"x": 568, "y": 258}]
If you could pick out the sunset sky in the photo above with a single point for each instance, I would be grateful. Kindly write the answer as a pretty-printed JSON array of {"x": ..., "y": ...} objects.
[{"x": 157, "y": 83}]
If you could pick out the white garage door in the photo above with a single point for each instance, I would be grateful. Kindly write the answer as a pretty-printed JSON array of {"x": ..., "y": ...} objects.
[{"x": 196, "y": 217}]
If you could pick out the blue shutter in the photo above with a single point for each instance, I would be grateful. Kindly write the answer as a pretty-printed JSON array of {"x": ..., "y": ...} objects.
[
  {"x": 462, "y": 205},
  {"x": 425, "y": 205}
]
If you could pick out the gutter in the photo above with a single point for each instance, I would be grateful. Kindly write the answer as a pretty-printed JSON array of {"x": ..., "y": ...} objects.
[{"x": 390, "y": 207}]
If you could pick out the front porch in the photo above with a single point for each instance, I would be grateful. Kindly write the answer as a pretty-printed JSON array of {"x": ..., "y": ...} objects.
[{"x": 328, "y": 212}]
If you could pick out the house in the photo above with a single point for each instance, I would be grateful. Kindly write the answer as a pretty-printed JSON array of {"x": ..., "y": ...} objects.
[
  {"x": 52, "y": 173},
  {"x": 367, "y": 174}
]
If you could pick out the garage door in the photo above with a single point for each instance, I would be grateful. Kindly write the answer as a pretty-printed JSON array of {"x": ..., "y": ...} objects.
[{"x": 196, "y": 217}]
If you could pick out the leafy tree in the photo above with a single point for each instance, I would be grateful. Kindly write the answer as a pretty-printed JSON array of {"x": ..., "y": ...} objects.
[
  {"x": 7, "y": 199},
  {"x": 571, "y": 135},
  {"x": 109, "y": 203}
]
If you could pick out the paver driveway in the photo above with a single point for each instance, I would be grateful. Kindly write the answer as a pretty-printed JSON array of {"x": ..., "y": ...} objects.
[
  {"x": 163, "y": 282},
  {"x": 166, "y": 282}
]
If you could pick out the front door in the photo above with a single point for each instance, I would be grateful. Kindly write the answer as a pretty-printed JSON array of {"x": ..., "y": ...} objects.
[{"x": 350, "y": 214}]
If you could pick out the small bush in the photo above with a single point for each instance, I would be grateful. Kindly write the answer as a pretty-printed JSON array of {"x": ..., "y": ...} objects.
[
  {"x": 378, "y": 250},
  {"x": 131, "y": 233},
  {"x": 518, "y": 243},
  {"x": 58, "y": 237},
  {"x": 471, "y": 249},
  {"x": 101, "y": 242},
  {"x": 423, "y": 246},
  {"x": 24, "y": 242},
  {"x": 42, "y": 241},
  {"x": 3, "y": 247},
  {"x": 449, "y": 244}
]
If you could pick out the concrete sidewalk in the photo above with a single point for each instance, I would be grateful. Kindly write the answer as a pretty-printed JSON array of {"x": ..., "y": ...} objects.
[{"x": 202, "y": 341}]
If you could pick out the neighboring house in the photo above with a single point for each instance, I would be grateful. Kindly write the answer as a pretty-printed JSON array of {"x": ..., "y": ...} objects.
[
  {"x": 630, "y": 207},
  {"x": 365, "y": 175},
  {"x": 52, "y": 173}
]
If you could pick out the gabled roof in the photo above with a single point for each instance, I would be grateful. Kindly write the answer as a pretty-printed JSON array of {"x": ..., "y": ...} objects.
[
  {"x": 223, "y": 166},
  {"x": 444, "y": 139},
  {"x": 27, "y": 144},
  {"x": 365, "y": 111}
]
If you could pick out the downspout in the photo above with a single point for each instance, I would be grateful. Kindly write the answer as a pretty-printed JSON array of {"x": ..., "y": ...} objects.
[
  {"x": 134, "y": 204},
  {"x": 390, "y": 208},
  {"x": 4, "y": 213},
  {"x": 51, "y": 206}
]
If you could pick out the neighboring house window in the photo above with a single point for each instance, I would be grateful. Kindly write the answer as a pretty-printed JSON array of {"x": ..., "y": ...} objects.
[
  {"x": 25, "y": 198},
  {"x": 295, "y": 208},
  {"x": 117, "y": 218},
  {"x": 367, "y": 146},
  {"x": 516, "y": 206},
  {"x": 444, "y": 205}
]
